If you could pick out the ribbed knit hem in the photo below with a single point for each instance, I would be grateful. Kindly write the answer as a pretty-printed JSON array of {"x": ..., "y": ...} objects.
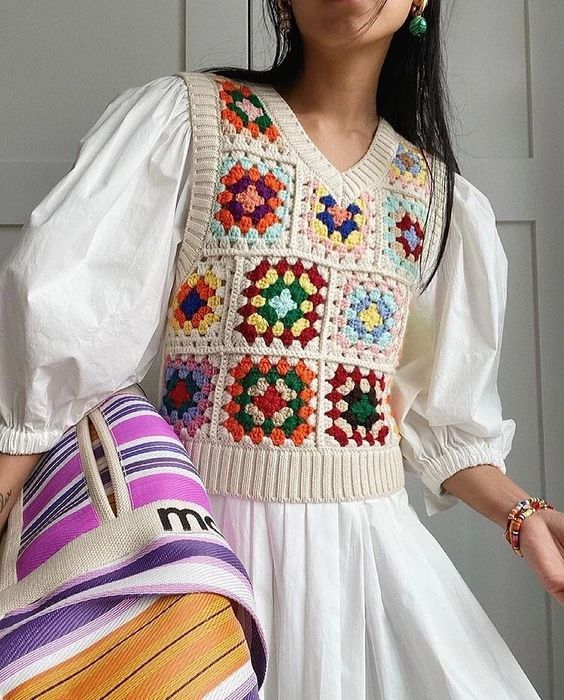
[
  {"x": 298, "y": 475},
  {"x": 14, "y": 441}
]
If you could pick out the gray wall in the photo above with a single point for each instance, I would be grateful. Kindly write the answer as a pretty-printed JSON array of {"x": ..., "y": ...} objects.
[{"x": 62, "y": 62}]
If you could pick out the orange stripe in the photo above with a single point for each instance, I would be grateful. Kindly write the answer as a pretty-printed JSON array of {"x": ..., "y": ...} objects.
[
  {"x": 190, "y": 656},
  {"x": 81, "y": 661},
  {"x": 174, "y": 631},
  {"x": 197, "y": 669}
]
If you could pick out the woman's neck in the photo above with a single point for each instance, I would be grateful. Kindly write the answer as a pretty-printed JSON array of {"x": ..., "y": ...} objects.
[{"x": 340, "y": 92}]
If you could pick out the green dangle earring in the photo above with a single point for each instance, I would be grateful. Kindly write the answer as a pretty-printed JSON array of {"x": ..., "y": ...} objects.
[{"x": 418, "y": 24}]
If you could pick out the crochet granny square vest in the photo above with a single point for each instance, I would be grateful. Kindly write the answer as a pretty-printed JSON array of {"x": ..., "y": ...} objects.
[{"x": 291, "y": 295}]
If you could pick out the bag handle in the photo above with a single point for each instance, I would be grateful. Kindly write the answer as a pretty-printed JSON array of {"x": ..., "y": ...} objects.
[{"x": 90, "y": 467}]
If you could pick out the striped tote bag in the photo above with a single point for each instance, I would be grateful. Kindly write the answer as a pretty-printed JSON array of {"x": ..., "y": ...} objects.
[{"x": 115, "y": 581}]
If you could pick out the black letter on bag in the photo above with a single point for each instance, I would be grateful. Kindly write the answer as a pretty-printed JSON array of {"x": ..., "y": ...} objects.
[{"x": 182, "y": 514}]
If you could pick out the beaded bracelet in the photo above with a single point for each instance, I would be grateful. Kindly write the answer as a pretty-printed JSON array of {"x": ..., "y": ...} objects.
[{"x": 523, "y": 509}]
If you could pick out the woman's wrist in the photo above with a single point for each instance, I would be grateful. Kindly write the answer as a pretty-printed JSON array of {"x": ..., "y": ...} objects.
[
  {"x": 14, "y": 470},
  {"x": 487, "y": 490}
]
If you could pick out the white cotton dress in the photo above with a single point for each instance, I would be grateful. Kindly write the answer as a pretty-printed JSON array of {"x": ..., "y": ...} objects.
[{"x": 358, "y": 599}]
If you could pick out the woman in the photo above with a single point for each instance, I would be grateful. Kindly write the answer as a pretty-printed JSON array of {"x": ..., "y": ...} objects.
[{"x": 275, "y": 253}]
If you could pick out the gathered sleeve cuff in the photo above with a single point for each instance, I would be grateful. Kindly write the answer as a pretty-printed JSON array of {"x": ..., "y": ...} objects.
[
  {"x": 85, "y": 291},
  {"x": 444, "y": 395},
  {"x": 17, "y": 441}
]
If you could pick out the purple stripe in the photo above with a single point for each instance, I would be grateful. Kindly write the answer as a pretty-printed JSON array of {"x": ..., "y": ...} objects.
[
  {"x": 119, "y": 400},
  {"x": 115, "y": 615},
  {"x": 158, "y": 443},
  {"x": 128, "y": 408},
  {"x": 119, "y": 564},
  {"x": 114, "y": 413},
  {"x": 50, "y": 461},
  {"x": 156, "y": 487},
  {"x": 161, "y": 462},
  {"x": 246, "y": 687},
  {"x": 176, "y": 449},
  {"x": 175, "y": 550},
  {"x": 59, "y": 481},
  {"x": 138, "y": 426},
  {"x": 98, "y": 450},
  {"x": 71, "y": 498},
  {"x": 55, "y": 538},
  {"x": 52, "y": 625},
  {"x": 127, "y": 413},
  {"x": 131, "y": 408},
  {"x": 171, "y": 551},
  {"x": 258, "y": 651},
  {"x": 119, "y": 406}
]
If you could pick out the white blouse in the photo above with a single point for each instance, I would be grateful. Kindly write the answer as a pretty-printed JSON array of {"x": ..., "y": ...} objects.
[{"x": 85, "y": 294}]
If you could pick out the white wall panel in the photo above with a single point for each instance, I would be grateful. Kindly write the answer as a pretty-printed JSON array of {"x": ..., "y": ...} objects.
[
  {"x": 547, "y": 100},
  {"x": 263, "y": 44},
  {"x": 490, "y": 39},
  {"x": 68, "y": 59},
  {"x": 62, "y": 62},
  {"x": 9, "y": 236},
  {"x": 216, "y": 33}
]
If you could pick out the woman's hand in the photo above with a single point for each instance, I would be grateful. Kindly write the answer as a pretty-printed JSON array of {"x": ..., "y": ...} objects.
[
  {"x": 494, "y": 494},
  {"x": 542, "y": 545}
]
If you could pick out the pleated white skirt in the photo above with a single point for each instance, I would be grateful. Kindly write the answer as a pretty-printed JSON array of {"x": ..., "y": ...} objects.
[{"x": 359, "y": 600}]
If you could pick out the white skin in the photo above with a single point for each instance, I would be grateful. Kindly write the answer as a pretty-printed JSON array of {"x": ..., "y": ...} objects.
[{"x": 334, "y": 99}]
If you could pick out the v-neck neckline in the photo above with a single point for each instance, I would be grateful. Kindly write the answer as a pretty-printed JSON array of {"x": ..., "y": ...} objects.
[{"x": 365, "y": 173}]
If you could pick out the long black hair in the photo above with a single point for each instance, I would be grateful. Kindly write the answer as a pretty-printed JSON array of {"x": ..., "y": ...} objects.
[{"x": 411, "y": 95}]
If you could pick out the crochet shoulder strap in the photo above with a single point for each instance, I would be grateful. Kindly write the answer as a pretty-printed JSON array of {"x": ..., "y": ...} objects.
[{"x": 205, "y": 134}]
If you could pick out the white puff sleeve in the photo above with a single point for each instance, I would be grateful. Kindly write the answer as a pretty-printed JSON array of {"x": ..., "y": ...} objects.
[
  {"x": 444, "y": 396},
  {"x": 84, "y": 293}
]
